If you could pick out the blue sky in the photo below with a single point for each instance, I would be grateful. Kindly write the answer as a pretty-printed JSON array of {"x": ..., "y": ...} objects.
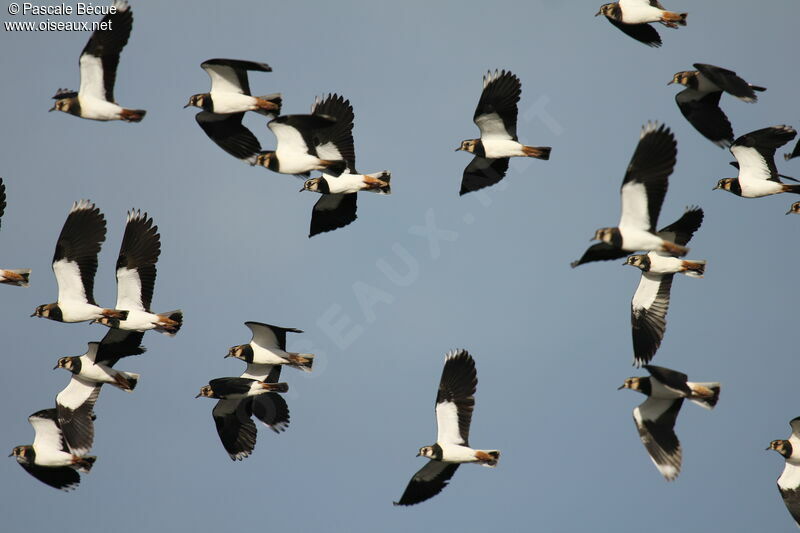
[{"x": 420, "y": 272}]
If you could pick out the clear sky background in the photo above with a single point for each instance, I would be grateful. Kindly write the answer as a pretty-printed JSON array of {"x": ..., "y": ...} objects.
[{"x": 380, "y": 301}]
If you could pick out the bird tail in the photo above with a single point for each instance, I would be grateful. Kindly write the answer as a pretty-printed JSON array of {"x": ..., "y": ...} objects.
[
  {"x": 334, "y": 168},
  {"x": 275, "y": 387},
  {"x": 379, "y": 182},
  {"x": 18, "y": 277},
  {"x": 126, "y": 380},
  {"x": 132, "y": 115},
  {"x": 539, "y": 152},
  {"x": 694, "y": 269},
  {"x": 301, "y": 361},
  {"x": 705, "y": 395},
  {"x": 791, "y": 188},
  {"x": 487, "y": 457},
  {"x": 269, "y": 104},
  {"x": 668, "y": 17},
  {"x": 113, "y": 314},
  {"x": 170, "y": 323},
  {"x": 85, "y": 463}
]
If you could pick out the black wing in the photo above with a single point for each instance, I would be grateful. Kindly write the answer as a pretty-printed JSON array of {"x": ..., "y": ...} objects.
[
  {"x": 498, "y": 104},
  {"x": 138, "y": 254},
  {"x": 766, "y": 141},
  {"x": 2, "y": 198},
  {"x": 228, "y": 132},
  {"x": 271, "y": 409},
  {"x": 119, "y": 343},
  {"x": 340, "y": 134},
  {"x": 482, "y": 172},
  {"x": 703, "y": 112},
  {"x": 728, "y": 81},
  {"x": 108, "y": 44},
  {"x": 235, "y": 428},
  {"x": 333, "y": 211},
  {"x": 649, "y": 308},
  {"x": 791, "y": 498},
  {"x": 655, "y": 420},
  {"x": 75, "y": 408},
  {"x": 80, "y": 241},
  {"x": 427, "y": 482},
  {"x": 602, "y": 251},
  {"x": 62, "y": 477},
  {"x": 239, "y": 68},
  {"x": 670, "y": 378},
  {"x": 308, "y": 126},
  {"x": 682, "y": 230},
  {"x": 644, "y": 33},
  {"x": 228, "y": 386},
  {"x": 457, "y": 386}
]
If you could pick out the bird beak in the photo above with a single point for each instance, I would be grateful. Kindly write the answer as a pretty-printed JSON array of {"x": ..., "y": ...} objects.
[
  {"x": 49, "y": 110},
  {"x": 715, "y": 187},
  {"x": 187, "y": 105},
  {"x": 457, "y": 149},
  {"x": 768, "y": 448},
  {"x": 598, "y": 13},
  {"x": 621, "y": 387},
  {"x": 671, "y": 82},
  {"x": 301, "y": 190},
  {"x": 55, "y": 367},
  {"x": 200, "y": 394},
  {"x": 789, "y": 212},
  {"x": 418, "y": 454},
  {"x": 33, "y": 314},
  {"x": 12, "y": 453}
]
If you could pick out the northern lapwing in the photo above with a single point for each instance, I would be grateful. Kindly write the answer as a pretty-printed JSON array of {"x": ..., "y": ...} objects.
[
  {"x": 455, "y": 402},
  {"x": 633, "y": 17},
  {"x": 90, "y": 367},
  {"x": 75, "y": 411},
  {"x": 48, "y": 459},
  {"x": 268, "y": 347},
  {"x": 496, "y": 118},
  {"x": 642, "y": 193},
  {"x": 230, "y": 89},
  {"x": 233, "y": 417},
  {"x": 650, "y": 302},
  {"x": 699, "y": 102},
  {"x": 19, "y": 277},
  {"x": 789, "y": 480},
  {"x": 136, "y": 277},
  {"x": 98, "y": 64},
  {"x": 755, "y": 159},
  {"x": 297, "y": 141},
  {"x": 655, "y": 417},
  {"x": 336, "y": 207},
  {"x": 75, "y": 264}
]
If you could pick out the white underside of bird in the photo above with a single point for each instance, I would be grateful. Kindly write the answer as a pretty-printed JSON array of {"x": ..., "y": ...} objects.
[
  {"x": 500, "y": 148},
  {"x": 639, "y": 12},
  {"x": 229, "y": 102}
]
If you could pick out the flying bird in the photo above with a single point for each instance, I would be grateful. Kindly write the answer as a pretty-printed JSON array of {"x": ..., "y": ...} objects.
[
  {"x": 642, "y": 193},
  {"x": 98, "y": 64},
  {"x": 239, "y": 388},
  {"x": 496, "y": 117},
  {"x": 655, "y": 417},
  {"x": 699, "y": 102},
  {"x": 455, "y": 401},
  {"x": 336, "y": 207},
  {"x": 48, "y": 459},
  {"x": 136, "y": 277},
  {"x": 268, "y": 347},
  {"x": 88, "y": 367},
  {"x": 755, "y": 158},
  {"x": 650, "y": 302},
  {"x": 230, "y": 89},
  {"x": 789, "y": 480},
  {"x": 233, "y": 417},
  {"x": 633, "y": 17},
  {"x": 298, "y": 139},
  {"x": 75, "y": 264},
  {"x": 18, "y": 277}
]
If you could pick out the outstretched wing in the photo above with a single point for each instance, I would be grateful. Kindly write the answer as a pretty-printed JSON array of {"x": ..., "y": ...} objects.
[
  {"x": 496, "y": 114},
  {"x": 427, "y": 482},
  {"x": 455, "y": 399},
  {"x": 100, "y": 56}
]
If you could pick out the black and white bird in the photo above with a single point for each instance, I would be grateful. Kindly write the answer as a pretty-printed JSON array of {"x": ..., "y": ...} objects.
[
  {"x": 18, "y": 277},
  {"x": 233, "y": 417},
  {"x": 789, "y": 480},
  {"x": 48, "y": 459},
  {"x": 298, "y": 139},
  {"x": 650, "y": 302},
  {"x": 136, "y": 277},
  {"x": 655, "y": 417},
  {"x": 699, "y": 102},
  {"x": 98, "y": 64},
  {"x": 496, "y": 117},
  {"x": 336, "y": 207},
  {"x": 268, "y": 347},
  {"x": 755, "y": 159},
  {"x": 633, "y": 17},
  {"x": 75, "y": 410},
  {"x": 75, "y": 264},
  {"x": 230, "y": 89},
  {"x": 455, "y": 402},
  {"x": 642, "y": 193},
  {"x": 238, "y": 388},
  {"x": 90, "y": 367}
]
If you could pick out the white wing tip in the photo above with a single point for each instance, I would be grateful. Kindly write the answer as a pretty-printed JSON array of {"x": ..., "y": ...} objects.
[
  {"x": 121, "y": 5},
  {"x": 82, "y": 205},
  {"x": 452, "y": 354},
  {"x": 135, "y": 214},
  {"x": 651, "y": 126},
  {"x": 490, "y": 76}
]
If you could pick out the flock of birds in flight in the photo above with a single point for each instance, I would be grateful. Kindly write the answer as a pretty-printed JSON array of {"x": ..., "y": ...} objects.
[{"x": 323, "y": 141}]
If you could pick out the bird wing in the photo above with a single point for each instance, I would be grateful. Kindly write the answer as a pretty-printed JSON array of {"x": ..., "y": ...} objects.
[
  {"x": 427, "y": 482},
  {"x": 655, "y": 420},
  {"x": 235, "y": 428},
  {"x": 335, "y": 143},
  {"x": 333, "y": 211},
  {"x": 496, "y": 114},
  {"x": 644, "y": 33},
  {"x": 136, "y": 263},
  {"x": 482, "y": 172},
  {"x": 75, "y": 257},
  {"x": 230, "y": 75},
  {"x": 48, "y": 435},
  {"x": 671, "y": 379},
  {"x": 602, "y": 251},
  {"x": 728, "y": 81},
  {"x": 100, "y": 57},
  {"x": 2, "y": 198},
  {"x": 119, "y": 343},
  {"x": 75, "y": 404},
  {"x": 62, "y": 477},
  {"x": 272, "y": 411},
  {"x": 755, "y": 152},
  {"x": 228, "y": 132},
  {"x": 649, "y": 308},
  {"x": 298, "y": 133},
  {"x": 268, "y": 336},
  {"x": 682, "y": 230},
  {"x": 646, "y": 179},
  {"x": 455, "y": 399},
  {"x": 703, "y": 112}
]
